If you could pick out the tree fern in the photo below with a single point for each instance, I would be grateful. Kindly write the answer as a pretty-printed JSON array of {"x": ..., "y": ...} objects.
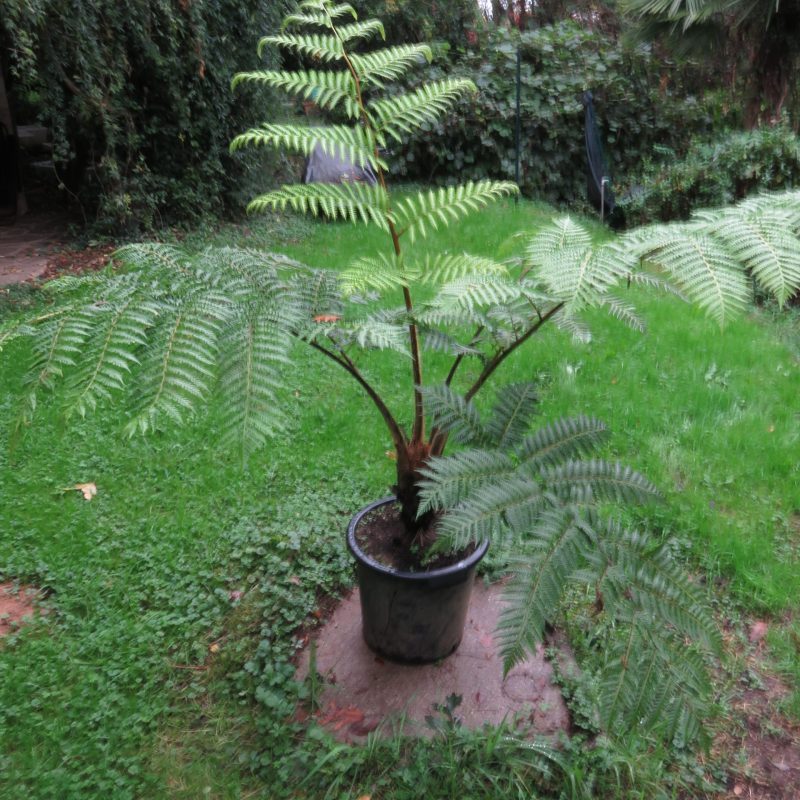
[{"x": 540, "y": 495}]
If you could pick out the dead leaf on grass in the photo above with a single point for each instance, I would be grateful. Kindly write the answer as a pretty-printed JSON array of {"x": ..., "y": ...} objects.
[{"x": 88, "y": 490}]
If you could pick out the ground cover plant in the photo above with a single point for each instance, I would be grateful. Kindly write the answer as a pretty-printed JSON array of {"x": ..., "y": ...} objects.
[
  {"x": 194, "y": 298},
  {"x": 162, "y": 729}
]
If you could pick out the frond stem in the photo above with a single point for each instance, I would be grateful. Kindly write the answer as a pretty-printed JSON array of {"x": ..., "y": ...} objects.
[{"x": 399, "y": 438}]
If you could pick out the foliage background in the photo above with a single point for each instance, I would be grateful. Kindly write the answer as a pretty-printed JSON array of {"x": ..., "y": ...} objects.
[{"x": 138, "y": 99}]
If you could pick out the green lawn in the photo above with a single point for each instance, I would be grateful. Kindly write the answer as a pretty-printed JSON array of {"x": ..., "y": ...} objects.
[{"x": 162, "y": 669}]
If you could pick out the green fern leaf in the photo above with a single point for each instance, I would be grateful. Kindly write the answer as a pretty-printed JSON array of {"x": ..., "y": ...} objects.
[
  {"x": 454, "y": 415},
  {"x": 511, "y": 415},
  {"x": 599, "y": 481},
  {"x": 351, "y": 201},
  {"x": 448, "y": 204},
  {"x": 317, "y": 46},
  {"x": 341, "y": 141},
  {"x": 566, "y": 438},
  {"x": 382, "y": 273},
  {"x": 407, "y": 113},
  {"x": 390, "y": 63},
  {"x": 327, "y": 89}
]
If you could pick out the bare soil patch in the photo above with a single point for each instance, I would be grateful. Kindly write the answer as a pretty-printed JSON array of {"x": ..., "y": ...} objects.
[{"x": 17, "y": 606}]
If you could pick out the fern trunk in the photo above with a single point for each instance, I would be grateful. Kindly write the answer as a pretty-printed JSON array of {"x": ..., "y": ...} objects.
[{"x": 411, "y": 458}]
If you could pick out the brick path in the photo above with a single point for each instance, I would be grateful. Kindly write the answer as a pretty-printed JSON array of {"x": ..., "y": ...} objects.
[{"x": 27, "y": 245}]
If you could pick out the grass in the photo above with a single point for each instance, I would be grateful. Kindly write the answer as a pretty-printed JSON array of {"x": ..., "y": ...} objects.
[{"x": 163, "y": 668}]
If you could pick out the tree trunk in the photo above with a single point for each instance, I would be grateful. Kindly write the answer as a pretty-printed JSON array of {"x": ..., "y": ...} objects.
[{"x": 410, "y": 460}]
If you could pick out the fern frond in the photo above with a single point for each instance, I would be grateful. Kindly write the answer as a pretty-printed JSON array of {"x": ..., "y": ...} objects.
[
  {"x": 447, "y": 481},
  {"x": 321, "y": 47},
  {"x": 453, "y": 414},
  {"x": 389, "y": 63},
  {"x": 511, "y": 415},
  {"x": 597, "y": 480},
  {"x": 341, "y": 141},
  {"x": 483, "y": 513},
  {"x": 105, "y": 367},
  {"x": 701, "y": 266},
  {"x": 476, "y": 291},
  {"x": 538, "y": 582},
  {"x": 408, "y": 112},
  {"x": 448, "y": 204},
  {"x": 378, "y": 331},
  {"x": 180, "y": 372},
  {"x": 327, "y": 89},
  {"x": 566, "y": 438},
  {"x": 765, "y": 244},
  {"x": 624, "y": 312},
  {"x": 448, "y": 267},
  {"x": 356, "y": 202},
  {"x": 252, "y": 354},
  {"x": 381, "y": 273},
  {"x": 441, "y": 342},
  {"x": 361, "y": 31}
]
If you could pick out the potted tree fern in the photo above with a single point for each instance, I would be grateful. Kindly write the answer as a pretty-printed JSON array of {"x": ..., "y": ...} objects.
[{"x": 177, "y": 330}]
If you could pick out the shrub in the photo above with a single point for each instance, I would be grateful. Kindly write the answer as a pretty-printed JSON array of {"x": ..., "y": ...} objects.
[
  {"x": 717, "y": 173},
  {"x": 641, "y": 102}
]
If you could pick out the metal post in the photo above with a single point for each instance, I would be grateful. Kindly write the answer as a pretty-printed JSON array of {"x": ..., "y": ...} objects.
[{"x": 517, "y": 125}]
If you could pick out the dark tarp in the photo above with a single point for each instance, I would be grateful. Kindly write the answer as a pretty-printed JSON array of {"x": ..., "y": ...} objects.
[
  {"x": 601, "y": 198},
  {"x": 323, "y": 167}
]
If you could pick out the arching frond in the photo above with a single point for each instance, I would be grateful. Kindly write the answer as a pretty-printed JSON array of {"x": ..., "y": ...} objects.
[
  {"x": 381, "y": 273},
  {"x": 448, "y": 267},
  {"x": 511, "y": 415},
  {"x": 352, "y": 144},
  {"x": 701, "y": 266},
  {"x": 553, "y": 552},
  {"x": 565, "y": 438},
  {"x": 474, "y": 291},
  {"x": 326, "y": 89},
  {"x": 406, "y": 113},
  {"x": 317, "y": 46},
  {"x": 766, "y": 244},
  {"x": 598, "y": 481},
  {"x": 448, "y": 204},
  {"x": 447, "y": 481},
  {"x": 352, "y": 201},
  {"x": 361, "y": 31},
  {"x": 453, "y": 414},
  {"x": 390, "y": 63}
]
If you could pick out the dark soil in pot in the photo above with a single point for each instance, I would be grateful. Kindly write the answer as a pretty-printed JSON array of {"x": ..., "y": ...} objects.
[{"x": 380, "y": 535}]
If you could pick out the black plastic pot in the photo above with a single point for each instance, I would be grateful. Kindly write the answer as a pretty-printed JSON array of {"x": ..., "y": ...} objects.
[{"x": 412, "y": 617}]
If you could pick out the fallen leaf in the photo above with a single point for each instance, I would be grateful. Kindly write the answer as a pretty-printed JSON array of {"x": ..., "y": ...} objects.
[
  {"x": 235, "y": 595},
  {"x": 294, "y": 580},
  {"x": 327, "y": 318},
  {"x": 341, "y": 717},
  {"x": 391, "y": 454},
  {"x": 771, "y": 429},
  {"x": 365, "y": 797},
  {"x": 89, "y": 490},
  {"x": 738, "y": 790},
  {"x": 614, "y": 380},
  {"x": 214, "y": 648}
]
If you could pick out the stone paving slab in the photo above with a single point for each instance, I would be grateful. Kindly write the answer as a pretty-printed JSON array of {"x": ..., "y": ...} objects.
[
  {"x": 363, "y": 692},
  {"x": 27, "y": 245}
]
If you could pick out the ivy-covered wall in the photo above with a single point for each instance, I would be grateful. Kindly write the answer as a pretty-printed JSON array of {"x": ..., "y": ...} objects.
[
  {"x": 138, "y": 98},
  {"x": 643, "y": 103}
]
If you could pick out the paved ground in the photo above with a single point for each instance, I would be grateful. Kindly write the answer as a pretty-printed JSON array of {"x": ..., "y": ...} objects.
[
  {"x": 26, "y": 246},
  {"x": 363, "y": 693}
]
